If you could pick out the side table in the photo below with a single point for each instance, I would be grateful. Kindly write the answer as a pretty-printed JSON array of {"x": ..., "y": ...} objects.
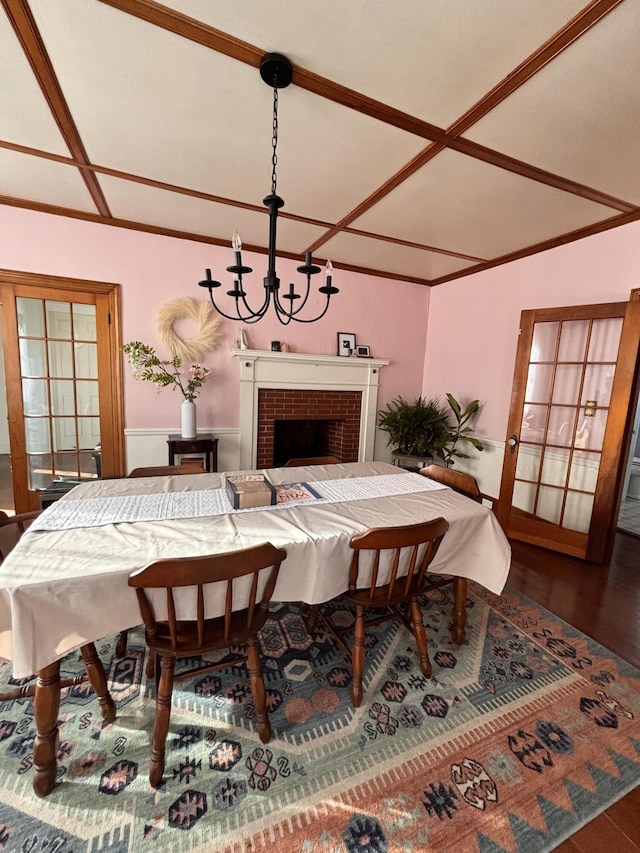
[{"x": 205, "y": 444}]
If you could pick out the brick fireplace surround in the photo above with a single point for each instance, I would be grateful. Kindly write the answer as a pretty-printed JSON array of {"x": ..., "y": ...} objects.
[
  {"x": 300, "y": 386},
  {"x": 342, "y": 408}
]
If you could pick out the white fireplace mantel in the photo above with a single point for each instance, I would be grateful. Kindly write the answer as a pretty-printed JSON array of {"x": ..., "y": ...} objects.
[{"x": 294, "y": 370}]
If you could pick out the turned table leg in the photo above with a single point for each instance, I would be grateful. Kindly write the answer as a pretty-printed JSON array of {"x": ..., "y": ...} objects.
[
  {"x": 45, "y": 746},
  {"x": 98, "y": 680},
  {"x": 459, "y": 610}
]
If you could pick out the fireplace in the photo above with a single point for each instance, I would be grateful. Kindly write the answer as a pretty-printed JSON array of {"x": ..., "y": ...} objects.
[
  {"x": 294, "y": 423},
  {"x": 297, "y": 386}
]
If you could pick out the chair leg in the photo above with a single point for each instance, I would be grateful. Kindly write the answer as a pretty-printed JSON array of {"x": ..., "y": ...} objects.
[
  {"x": 121, "y": 645},
  {"x": 95, "y": 671},
  {"x": 161, "y": 723},
  {"x": 258, "y": 689},
  {"x": 420, "y": 634},
  {"x": 458, "y": 631},
  {"x": 312, "y": 621},
  {"x": 357, "y": 657}
]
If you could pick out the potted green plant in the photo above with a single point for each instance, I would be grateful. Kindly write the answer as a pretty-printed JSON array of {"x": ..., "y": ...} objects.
[
  {"x": 458, "y": 432},
  {"x": 415, "y": 429}
]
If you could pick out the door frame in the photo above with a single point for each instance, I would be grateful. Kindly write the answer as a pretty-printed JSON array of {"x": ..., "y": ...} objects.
[
  {"x": 111, "y": 414},
  {"x": 602, "y": 530}
]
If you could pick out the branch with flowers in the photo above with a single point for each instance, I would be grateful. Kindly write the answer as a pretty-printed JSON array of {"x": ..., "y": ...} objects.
[{"x": 145, "y": 364}]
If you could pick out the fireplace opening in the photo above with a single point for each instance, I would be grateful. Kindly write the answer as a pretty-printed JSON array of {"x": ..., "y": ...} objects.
[
  {"x": 338, "y": 410},
  {"x": 305, "y": 438}
]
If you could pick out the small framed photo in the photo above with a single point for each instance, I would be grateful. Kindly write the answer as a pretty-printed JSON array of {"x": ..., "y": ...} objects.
[
  {"x": 363, "y": 351},
  {"x": 346, "y": 343}
]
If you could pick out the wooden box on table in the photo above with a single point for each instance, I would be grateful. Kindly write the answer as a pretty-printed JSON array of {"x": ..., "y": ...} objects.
[{"x": 249, "y": 490}]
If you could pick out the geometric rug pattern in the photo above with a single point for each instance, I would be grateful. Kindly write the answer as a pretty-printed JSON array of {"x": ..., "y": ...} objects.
[{"x": 522, "y": 734}]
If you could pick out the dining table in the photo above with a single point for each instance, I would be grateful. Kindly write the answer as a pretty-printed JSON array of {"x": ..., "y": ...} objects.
[{"x": 65, "y": 584}]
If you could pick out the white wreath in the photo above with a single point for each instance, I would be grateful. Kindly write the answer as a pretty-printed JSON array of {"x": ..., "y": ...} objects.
[{"x": 188, "y": 308}]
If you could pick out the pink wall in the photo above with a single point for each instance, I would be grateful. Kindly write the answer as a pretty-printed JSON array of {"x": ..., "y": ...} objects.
[
  {"x": 390, "y": 316},
  {"x": 473, "y": 322}
]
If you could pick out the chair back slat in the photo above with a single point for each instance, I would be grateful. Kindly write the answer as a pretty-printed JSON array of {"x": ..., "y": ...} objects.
[
  {"x": 251, "y": 609},
  {"x": 228, "y": 609},
  {"x": 171, "y": 614},
  {"x": 200, "y": 615}
]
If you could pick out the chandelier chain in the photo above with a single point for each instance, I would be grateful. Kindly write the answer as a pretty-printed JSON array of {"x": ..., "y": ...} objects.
[{"x": 274, "y": 138}]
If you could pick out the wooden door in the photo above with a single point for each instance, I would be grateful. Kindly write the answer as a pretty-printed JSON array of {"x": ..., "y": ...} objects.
[
  {"x": 573, "y": 382},
  {"x": 63, "y": 380}
]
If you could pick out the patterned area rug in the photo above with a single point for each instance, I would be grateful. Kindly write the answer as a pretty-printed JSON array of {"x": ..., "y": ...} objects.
[{"x": 521, "y": 736}]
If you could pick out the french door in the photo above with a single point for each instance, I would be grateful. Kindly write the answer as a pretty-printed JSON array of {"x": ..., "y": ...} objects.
[
  {"x": 573, "y": 381},
  {"x": 62, "y": 371}
]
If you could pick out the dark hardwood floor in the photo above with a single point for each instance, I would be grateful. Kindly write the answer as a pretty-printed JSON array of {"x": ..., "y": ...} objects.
[{"x": 604, "y": 603}]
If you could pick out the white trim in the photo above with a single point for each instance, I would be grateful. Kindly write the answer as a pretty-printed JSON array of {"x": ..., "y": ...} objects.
[{"x": 305, "y": 372}]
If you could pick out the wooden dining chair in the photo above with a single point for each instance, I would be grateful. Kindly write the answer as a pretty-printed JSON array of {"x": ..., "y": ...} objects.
[
  {"x": 408, "y": 552},
  {"x": 168, "y": 470},
  {"x": 463, "y": 484},
  {"x": 11, "y": 529},
  {"x": 156, "y": 471},
  {"x": 180, "y": 637},
  {"x": 313, "y": 460}
]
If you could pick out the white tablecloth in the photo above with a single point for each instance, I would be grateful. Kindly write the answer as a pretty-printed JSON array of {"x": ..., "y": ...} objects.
[{"x": 62, "y": 589}]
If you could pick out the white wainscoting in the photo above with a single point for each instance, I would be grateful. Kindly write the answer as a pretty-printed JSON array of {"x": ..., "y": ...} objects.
[{"x": 145, "y": 447}]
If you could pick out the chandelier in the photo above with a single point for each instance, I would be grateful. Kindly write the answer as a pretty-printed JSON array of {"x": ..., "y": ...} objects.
[{"x": 276, "y": 71}]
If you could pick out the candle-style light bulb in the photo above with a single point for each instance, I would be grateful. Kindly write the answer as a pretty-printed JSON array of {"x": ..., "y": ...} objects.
[
  {"x": 236, "y": 242},
  {"x": 329, "y": 271}
]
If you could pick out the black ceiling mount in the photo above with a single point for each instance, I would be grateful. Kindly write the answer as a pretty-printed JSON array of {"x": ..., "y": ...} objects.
[{"x": 275, "y": 66}]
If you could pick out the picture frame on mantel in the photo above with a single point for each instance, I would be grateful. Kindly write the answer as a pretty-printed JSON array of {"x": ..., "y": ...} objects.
[
  {"x": 363, "y": 351},
  {"x": 346, "y": 343}
]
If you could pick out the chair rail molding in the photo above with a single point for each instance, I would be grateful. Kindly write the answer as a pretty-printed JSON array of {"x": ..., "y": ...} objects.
[{"x": 303, "y": 371}]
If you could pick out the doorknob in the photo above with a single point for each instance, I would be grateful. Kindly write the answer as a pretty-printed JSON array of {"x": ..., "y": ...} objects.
[{"x": 513, "y": 442}]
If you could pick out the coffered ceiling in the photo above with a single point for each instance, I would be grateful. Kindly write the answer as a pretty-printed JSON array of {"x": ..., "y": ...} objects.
[{"x": 421, "y": 140}]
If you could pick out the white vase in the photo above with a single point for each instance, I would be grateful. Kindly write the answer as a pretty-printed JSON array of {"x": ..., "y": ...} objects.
[{"x": 188, "y": 419}]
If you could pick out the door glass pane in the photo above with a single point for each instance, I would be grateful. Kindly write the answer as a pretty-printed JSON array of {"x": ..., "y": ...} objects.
[
  {"x": 543, "y": 345},
  {"x": 34, "y": 397},
  {"x": 539, "y": 383},
  {"x": 64, "y": 434},
  {"x": 555, "y": 467},
  {"x": 590, "y": 433},
  {"x": 32, "y": 359},
  {"x": 605, "y": 339},
  {"x": 566, "y": 385},
  {"x": 86, "y": 361},
  {"x": 66, "y": 464},
  {"x": 89, "y": 462},
  {"x": 561, "y": 423},
  {"x": 88, "y": 433},
  {"x": 30, "y": 317},
  {"x": 549, "y": 504},
  {"x": 58, "y": 316},
  {"x": 39, "y": 471},
  {"x": 62, "y": 402},
  {"x": 577, "y": 512},
  {"x": 88, "y": 399},
  {"x": 84, "y": 322},
  {"x": 528, "y": 464},
  {"x": 37, "y": 435},
  {"x": 584, "y": 471},
  {"x": 60, "y": 359},
  {"x": 534, "y": 423},
  {"x": 598, "y": 381},
  {"x": 573, "y": 340},
  {"x": 524, "y": 497}
]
